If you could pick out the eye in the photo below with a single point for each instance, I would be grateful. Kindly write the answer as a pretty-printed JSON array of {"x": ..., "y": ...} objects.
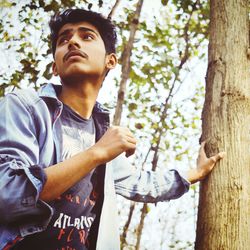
[
  {"x": 63, "y": 40},
  {"x": 88, "y": 37}
]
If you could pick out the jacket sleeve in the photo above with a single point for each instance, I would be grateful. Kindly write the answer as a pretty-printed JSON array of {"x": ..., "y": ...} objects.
[
  {"x": 147, "y": 186},
  {"x": 21, "y": 177}
]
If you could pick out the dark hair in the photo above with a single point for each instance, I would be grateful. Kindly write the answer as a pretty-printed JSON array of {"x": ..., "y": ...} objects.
[{"x": 104, "y": 25}]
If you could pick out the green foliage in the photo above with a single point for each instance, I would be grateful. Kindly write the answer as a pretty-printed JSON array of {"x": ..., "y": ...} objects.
[
  {"x": 161, "y": 57},
  {"x": 6, "y": 4},
  {"x": 160, "y": 61},
  {"x": 157, "y": 65},
  {"x": 24, "y": 33},
  {"x": 164, "y": 2}
]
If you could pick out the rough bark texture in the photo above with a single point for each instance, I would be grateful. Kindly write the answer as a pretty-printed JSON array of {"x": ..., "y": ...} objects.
[{"x": 224, "y": 206}]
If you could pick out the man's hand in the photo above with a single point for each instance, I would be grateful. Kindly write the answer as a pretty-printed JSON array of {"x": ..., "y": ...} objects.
[
  {"x": 204, "y": 165},
  {"x": 65, "y": 174},
  {"x": 114, "y": 142}
]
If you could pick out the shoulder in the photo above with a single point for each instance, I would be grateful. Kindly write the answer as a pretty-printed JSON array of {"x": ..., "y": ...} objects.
[
  {"x": 26, "y": 96},
  {"x": 23, "y": 101},
  {"x": 31, "y": 97}
]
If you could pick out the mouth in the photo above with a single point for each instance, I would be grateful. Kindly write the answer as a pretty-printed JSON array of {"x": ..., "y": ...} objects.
[{"x": 74, "y": 53}]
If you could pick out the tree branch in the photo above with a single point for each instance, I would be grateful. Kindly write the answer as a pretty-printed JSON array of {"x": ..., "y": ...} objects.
[{"x": 126, "y": 56}]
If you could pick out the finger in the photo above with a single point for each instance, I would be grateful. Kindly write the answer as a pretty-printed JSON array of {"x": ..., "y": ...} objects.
[
  {"x": 131, "y": 147},
  {"x": 129, "y": 133},
  {"x": 130, "y": 152},
  {"x": 131, "y": 140},
  {"x": 217, "y": 157},
  {"x": 202, "y": 149},
  {"x": 203, "y": 144},
  {"x": 222, "y": 155},
  {"x": 125, "y": 132}
]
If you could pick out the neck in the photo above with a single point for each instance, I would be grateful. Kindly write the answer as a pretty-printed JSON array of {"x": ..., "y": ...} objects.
[{"x": 81, "y": 97}]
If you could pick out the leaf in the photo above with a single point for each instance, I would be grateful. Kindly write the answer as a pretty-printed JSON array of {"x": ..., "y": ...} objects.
[
  {"x": 139, "y": 125},
  {"x": 6, "y": 4},
  {"x": 47, "y": 73},
  {"x": 164, "y": 2},
  {"x": 100, "y": 3},
  {"x": 90, "y": 6}
]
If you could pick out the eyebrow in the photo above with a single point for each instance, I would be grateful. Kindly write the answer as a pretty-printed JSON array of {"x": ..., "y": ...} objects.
[{"x": 67, "y": 31}]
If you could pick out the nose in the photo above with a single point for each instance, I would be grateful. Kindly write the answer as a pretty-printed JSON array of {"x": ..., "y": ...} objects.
[{"x": 73, "y": 43}]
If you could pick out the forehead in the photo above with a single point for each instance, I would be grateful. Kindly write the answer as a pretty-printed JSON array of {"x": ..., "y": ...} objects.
[{"x": 77, "y": 26}]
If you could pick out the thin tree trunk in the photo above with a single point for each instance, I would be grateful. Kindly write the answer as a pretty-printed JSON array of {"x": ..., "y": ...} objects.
[
  {"x": 140, "y": 227},
  {"x": 126, "y": 226},
  {"x": 224, "y": 205},
  {"x": 111, "y": 13},
  {"x": 125, "y": 61},
  {"x": 158, "y": 133},
  {"x": 126, "y": 64},
  {"x": 160, "y": 130}
]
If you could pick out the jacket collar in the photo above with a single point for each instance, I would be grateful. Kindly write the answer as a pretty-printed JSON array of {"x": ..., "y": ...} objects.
[{"x": 51, "y": 90}]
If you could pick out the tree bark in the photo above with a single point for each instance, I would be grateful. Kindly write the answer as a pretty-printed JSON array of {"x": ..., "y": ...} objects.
[
  {"x": 224, "y": 205},
  {"x": 126, "y": 226},
  {"x": 125, "y": 58},
  {"x": 140, "y": 226},
  {"x": 111, "y": 13}
]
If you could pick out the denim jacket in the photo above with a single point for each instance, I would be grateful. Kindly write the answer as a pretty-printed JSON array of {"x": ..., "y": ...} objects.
[{"x": 30, "y": 141}]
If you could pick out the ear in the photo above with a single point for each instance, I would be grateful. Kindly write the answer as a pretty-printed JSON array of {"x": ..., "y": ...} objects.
[
  {"x": 54, "y": 69},
  {"x": 111, "y": 61}
]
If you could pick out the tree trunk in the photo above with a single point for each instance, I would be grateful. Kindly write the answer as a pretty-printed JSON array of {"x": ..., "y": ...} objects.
[
  {"x": 111, "y": 13},
  {"x": 125, "y": 60},
  {"x": 224, "y": 206},
  {"x": 141, "y": 225}
]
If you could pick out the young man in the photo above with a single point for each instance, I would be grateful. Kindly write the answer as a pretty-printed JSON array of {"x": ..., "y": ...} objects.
[{"x": 61, "y": 164}]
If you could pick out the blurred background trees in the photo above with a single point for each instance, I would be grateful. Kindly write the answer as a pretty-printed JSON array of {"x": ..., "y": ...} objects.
[{"x": 157, "y": 91}]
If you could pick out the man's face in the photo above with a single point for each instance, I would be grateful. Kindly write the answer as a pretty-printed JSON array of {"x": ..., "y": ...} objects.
[{"x": 80, "y": 51}]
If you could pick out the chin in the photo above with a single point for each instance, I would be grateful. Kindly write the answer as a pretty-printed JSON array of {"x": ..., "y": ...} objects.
[
  {"x": 74, "y": 72},
  {"x": 75, "y": 76}
]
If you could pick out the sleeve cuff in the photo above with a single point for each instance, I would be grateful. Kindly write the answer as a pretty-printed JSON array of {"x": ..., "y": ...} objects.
[
  {"x": 39, "y": 173},
  {"x": 184, "y": 175}
]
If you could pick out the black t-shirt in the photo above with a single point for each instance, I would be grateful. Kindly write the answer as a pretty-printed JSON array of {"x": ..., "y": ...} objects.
[{"x": 73, "y": 210}]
